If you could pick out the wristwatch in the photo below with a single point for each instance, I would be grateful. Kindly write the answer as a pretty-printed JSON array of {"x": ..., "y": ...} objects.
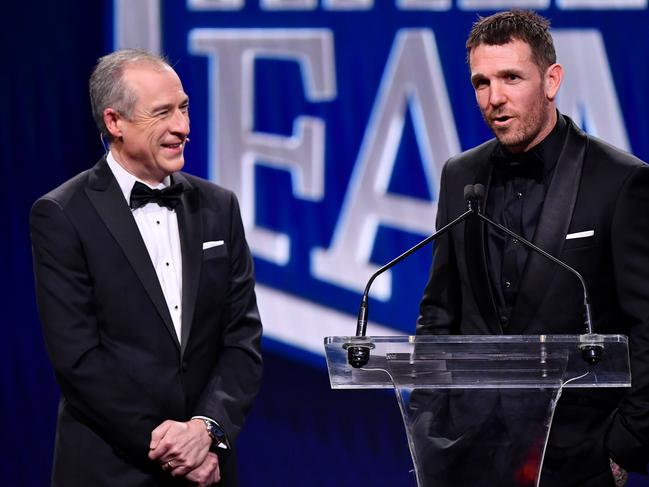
[{"x": 219, "y": 438}]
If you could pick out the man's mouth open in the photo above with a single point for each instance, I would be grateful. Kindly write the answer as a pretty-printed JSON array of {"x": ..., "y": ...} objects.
[
  {"x": 174, "y": 147},
  {"x": 501, "y": 121}
]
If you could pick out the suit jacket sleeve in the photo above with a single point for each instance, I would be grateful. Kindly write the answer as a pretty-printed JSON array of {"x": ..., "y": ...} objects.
[
  {"x": 93, "y": 381},
  {"x": 440, "y": 307},
  {"x": 235, "y": 379},
  {"x": 628, "y": 435}
]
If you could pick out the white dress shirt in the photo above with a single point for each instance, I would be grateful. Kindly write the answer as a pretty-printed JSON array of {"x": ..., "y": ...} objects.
[{"x": 159, "y": 229}]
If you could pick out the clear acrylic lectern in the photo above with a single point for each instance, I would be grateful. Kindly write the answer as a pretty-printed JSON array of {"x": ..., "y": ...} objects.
[{"x": 478, "y": 409}]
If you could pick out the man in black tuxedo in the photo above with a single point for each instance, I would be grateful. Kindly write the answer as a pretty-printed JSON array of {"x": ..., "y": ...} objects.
[
  {"x": 145, "y": 289},
  {"x": 577, "y": 198}
]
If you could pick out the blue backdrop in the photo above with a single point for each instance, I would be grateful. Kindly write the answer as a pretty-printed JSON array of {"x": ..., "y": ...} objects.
[{"x": 331, "y": 120}]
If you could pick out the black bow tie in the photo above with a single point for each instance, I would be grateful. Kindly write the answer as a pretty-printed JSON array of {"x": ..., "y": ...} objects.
[
  {"x": 169, "y": 197},
  {"x": 524, "y": 165}
]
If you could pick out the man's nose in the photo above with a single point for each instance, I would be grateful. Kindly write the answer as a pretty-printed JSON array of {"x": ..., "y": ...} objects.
[
  {"x": 180, "y": 123},
  {"x": 497, "y": 95}
]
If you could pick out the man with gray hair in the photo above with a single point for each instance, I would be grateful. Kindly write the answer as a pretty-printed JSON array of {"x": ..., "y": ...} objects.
[{"x": 145, "y": 288}]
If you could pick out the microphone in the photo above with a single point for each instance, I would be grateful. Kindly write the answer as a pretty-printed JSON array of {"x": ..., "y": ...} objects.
[
  {"x": 103, "y": 143},
  {"x": 358, "y": 354},
  {"x": 591, "y": 347}
]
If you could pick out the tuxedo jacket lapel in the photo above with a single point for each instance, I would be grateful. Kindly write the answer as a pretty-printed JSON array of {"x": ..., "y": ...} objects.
[
  {"x": 191, "y": 241},
  {"x": 476, "y": 258},
  {"x": 551, "y": 232},
  {"x": 107, "y": 198}
]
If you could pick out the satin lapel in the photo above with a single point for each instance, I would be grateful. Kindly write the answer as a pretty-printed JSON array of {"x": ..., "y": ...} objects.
[
  {"x": 107, "y": 198},
  {"x": 551, "y": 232},
  {"x": 191, "y": 241},
  {"x": 476, "y": 259}
]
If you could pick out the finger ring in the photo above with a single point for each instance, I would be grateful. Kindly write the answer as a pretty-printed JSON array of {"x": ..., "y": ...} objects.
[{"x": 170, "y": 465}]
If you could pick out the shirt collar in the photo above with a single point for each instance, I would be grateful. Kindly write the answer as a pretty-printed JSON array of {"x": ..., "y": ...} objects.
[{"x": 126, "y": 180}]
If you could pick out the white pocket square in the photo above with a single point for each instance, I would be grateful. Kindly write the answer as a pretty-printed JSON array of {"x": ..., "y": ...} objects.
[
  {"x": 584, "y": 234},
  {"x": 213, "y": 243}
]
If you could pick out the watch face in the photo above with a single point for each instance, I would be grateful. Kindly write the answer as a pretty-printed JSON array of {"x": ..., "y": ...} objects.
[
  {"x": 218, "y": 435},
  {"x": 214, "y": 431}
]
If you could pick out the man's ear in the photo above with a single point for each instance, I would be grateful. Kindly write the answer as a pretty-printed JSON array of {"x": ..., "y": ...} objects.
[
  {"x": 552, "y": 81},
  {"x": 112, "y": 120}
]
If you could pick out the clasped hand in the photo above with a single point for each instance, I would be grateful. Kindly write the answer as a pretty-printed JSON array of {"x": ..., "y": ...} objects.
[{"x": 182, "y": 449}]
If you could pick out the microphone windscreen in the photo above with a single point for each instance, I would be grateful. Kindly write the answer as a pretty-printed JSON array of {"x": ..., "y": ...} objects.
[
  {"x": 469, "y": 192},
  {"x": 479, "y": 191}
]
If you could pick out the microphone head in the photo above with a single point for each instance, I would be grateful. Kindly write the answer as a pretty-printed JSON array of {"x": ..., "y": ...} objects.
[
  {"x": 592, "y": 354},
  {"x": 358, "y": 356},
  {"x": 469, "y": 192},
  {"x": 479, "y": 191}
]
